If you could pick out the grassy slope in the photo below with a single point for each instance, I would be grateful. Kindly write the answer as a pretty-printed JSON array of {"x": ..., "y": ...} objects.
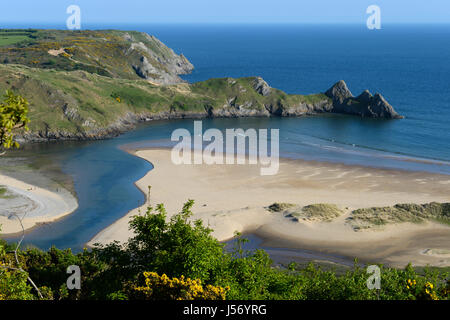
[
  {"x": 106, "y": 52},
  {"x": 6, "y": 40},
  {"x": 13, "y": 37},
  {"x": 88, "y": 95},
  {"x": 79, "y": 101},
  {"x": 224, "y": 88}
]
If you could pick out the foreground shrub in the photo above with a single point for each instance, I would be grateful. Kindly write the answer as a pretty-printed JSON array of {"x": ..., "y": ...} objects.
[
  {"x": 13, "y": 285},
  {"x": 195, "y": 265}
]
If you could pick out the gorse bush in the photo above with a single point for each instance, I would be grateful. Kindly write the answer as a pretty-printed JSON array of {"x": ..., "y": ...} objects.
[
  {"x": 13, "y": 115},
  {"x": 176, "y": 258},
  {"x": 164, "y": 288}
]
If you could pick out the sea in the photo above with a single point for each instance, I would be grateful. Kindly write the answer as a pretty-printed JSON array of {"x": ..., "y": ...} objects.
[{"x": 408, "y": 64}]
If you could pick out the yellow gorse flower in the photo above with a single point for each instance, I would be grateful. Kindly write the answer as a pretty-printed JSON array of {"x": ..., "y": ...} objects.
[
  {"x": 157, "y": 287},
  {"x": 429, "y": 290},
  {"x": 411, "y": 282}
]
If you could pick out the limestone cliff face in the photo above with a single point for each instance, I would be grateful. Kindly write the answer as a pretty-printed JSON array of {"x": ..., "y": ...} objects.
[
  {"x": 365, "y": 105},
  {"x": 261, "y": 86},
  {"x": 154, "y": 61}
]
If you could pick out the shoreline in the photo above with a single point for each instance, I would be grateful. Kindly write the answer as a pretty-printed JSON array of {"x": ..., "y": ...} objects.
[
  {"x": 349, "y": 187},
  {"x": 143, "y": 121},
  {"x": 34, "y": 205}
]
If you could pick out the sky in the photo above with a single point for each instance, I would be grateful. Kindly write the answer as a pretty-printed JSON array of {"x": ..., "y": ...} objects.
[{"x": 24, "y": 12}]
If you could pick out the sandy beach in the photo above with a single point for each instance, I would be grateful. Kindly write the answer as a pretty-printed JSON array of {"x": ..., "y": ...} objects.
[
  {"x": 232, "y": 198},
  {"x": 32, "y": 204}
]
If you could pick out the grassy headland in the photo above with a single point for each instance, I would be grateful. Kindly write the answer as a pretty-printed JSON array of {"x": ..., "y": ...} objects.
[{"x": 95, "y": 84}]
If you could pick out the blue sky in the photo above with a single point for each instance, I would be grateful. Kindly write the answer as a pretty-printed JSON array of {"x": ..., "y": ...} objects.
[{"x": 26, "y": 12}]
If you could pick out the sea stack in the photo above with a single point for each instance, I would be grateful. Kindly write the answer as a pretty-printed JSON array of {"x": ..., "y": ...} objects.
[{"x": 365, "y": 105}]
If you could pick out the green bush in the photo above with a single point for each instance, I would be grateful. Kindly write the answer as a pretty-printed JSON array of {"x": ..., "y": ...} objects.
[{"x": 181, "y": 248}]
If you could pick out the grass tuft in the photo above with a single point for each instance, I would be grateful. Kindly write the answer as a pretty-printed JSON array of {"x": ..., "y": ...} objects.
[
  {"x": 407, "y": 212},
  {"x": 280, "y": 206}
]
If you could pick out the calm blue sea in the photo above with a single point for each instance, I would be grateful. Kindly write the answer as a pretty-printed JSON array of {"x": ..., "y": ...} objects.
[{"x": 408, "y": 64}]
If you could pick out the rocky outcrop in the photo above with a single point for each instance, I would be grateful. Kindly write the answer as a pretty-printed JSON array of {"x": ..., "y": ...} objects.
[
  {"x": 261, "y": 86},
  {"x": 121, "y": 125},
  {"x": 365, "y": 105},
  {"x": 379, "y": 107},
  {"x": 339, "y": 93},
  {"x": 146, "y": 70},
  {"x": 281, "y": 108},
  {"x": 155, "y": 61}
]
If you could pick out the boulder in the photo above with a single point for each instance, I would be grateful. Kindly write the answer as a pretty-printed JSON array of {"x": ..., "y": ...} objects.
[{"x": 261, "y": 86}]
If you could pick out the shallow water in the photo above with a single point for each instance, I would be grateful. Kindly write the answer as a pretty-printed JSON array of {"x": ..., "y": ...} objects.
[{"x": 283, "y": 256}]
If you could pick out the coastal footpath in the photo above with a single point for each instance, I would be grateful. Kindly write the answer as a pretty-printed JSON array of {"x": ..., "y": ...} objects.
[{"x": 85, "y": 85}]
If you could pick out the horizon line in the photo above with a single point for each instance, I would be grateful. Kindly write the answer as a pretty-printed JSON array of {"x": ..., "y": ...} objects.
[{"x": 231, "y": 23}]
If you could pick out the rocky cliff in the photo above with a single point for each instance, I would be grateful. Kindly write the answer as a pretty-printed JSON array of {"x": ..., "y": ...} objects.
[
  {"x": 168, "y": 64},
  {"x": 364, "y": 105}
]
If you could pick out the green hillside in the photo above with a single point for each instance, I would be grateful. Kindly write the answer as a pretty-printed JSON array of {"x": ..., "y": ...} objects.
[
  {"x": 79, "y": 104},
  {"x": 118, "y": 54}
]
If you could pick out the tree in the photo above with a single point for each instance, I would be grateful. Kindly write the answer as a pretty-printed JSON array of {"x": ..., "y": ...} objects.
[
  {"x": 13, "y": 283},
  {"x": 13, "y": 115},
  {"x": 175, "y": 247}
]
